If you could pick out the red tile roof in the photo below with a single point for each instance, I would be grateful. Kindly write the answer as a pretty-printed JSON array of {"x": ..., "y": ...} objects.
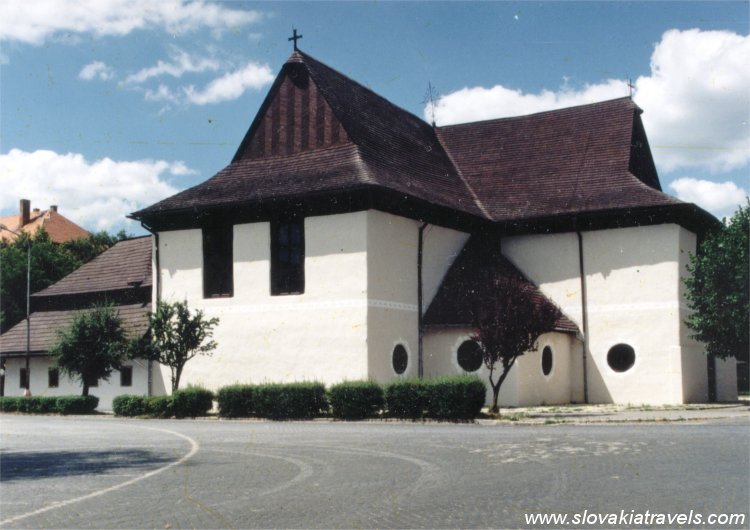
[{"x": 59, "y": 227}]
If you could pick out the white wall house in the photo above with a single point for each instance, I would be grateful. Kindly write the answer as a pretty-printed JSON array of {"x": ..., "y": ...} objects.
[{"x": 342, "y": 216}]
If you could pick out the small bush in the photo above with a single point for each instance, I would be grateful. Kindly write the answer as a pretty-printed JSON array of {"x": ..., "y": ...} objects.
[
  {"x": 76, "y": 404},
  {"x": 129, "y": 405},
  {"x": 40, "y": 404},
  {"x": 9, "y": 404},
  {"x": 405, "y": 398},
  {"x": 235, "y": 401},
  {"x": 191, "y": 402},
  {"x": 354, "y": 400},
  {"x": 159, "y": 406},
  {"x": 291, "y": 400},
  {"x": 455, "y": 397}
]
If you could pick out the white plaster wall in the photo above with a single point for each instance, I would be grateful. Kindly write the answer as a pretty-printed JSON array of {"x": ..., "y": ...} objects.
[
  {"x": 441, "y": 348},
  {"x": 319, "y": 335},
  {"x": 726, "y": 379},
  {"x": 392, "y": 246},
  {"x": 534, "y": 388},
  {"x": 633, "y": 287},
  {"x": 106, "y": 390}
]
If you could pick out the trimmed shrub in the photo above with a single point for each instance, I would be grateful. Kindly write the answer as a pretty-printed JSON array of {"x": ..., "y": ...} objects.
[
  {"x": 235, "y": 401},
  {"x": 354, "y": 400},
  {"x": 159, "y": 406},
  {"x": 191, "y": 402},
  {"x": 40, "y": 404},
  {"x": 458, "y": 397},
  {"x": 77, "y": 404},
  {"x": 9, "y": 404},
  {"x": 405, "y": 398},
  {"x": 129, "y": 405},
  {"x": 291, "y": 400}
]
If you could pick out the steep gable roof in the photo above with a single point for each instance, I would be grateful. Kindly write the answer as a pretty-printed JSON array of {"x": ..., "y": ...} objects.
[
  {"x": 465, "y": 283},
  {"x": 58, "y": 227},
  {"x": 319, "y": 131},
  {"x": 565, "y": 161}
]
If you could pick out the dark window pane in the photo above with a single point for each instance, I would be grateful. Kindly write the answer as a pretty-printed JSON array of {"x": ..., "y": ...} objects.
[
  {"x": 217, "y": 260},
  {"x": 287, "y": 256},
  {"x": 400, "y": 359},
  {"x": 469, "y": 356},
  {"x": 621, "y": 357},
  {"x": 546, "y": 360},
  {"x": 53, "y": 378},
  {"x": 22, "y": 378}
]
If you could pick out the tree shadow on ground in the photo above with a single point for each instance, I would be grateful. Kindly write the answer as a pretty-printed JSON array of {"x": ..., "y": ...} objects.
[{"x": 34, "y": 465}]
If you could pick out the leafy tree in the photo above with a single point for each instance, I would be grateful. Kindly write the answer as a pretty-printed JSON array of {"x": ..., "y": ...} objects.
[
  {"x": 92, "y": 346},
  {"x": 175, "y": 336},
  {"x": 508, "y": 320},
  {"x": 50, "y": 262},
  {"x": 717, "y": 289}
]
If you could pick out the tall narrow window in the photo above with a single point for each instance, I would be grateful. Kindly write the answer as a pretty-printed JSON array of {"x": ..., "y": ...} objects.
[
  {"x": 53, "y": 377},
  {"x": 217, "y": 260},
  {"x": 22, "y": 378},
  {"x": 126, "y": 376},
  {"x": 288, "y": 256}
]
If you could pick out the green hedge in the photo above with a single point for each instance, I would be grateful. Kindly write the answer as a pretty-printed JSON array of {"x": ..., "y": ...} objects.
[
  {"x": 159, "y": 406},
  {"x": 355, "y": 400},
  {"x": 455, "y": 397},
  {"x": 235, "y": 401},
  {"x": 405, "y": 398},
  {"x": 129, "y": 405},
  {"x": 50, "y": 404},
  {"x": 191, "y": 402},
  {"x": 291, "y": 400}
]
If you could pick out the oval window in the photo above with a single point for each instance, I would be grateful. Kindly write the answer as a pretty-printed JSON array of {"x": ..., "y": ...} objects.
[
  {"x": 469, "y": 356},
  {"x": 400, "y": 359},
  {"x": 621, "y": 357},
  {"x": 546, "y": 360}
]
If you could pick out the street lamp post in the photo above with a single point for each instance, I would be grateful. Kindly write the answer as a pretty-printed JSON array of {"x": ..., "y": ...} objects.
[{"x": 27, "y": 391}]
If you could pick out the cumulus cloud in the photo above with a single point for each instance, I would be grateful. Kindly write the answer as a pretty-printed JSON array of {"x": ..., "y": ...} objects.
[
  {"x": 696, "y": 100},
  {"x": 96, "y": 70},
  {"x": 180, "y": 63},
  {"x": 231, "y": 85},
  {"x": 36, "y": 21},
  {"x": 719, "y": 198},
  {"x": 97, "y": 195}
]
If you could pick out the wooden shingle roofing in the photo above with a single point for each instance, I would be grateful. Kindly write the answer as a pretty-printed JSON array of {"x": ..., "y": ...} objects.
[{"x": 319, "y": 133}]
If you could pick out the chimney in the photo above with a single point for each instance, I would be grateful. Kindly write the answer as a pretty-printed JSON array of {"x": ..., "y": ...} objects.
[
  {"x": 25, "y": 211},
  {"x": 53, "y": 208}
]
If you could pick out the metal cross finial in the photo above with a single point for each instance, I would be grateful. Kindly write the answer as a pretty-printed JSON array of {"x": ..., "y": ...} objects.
[
  {"x": 295, "y": 38},
  {"x": 631, "y": 86}
]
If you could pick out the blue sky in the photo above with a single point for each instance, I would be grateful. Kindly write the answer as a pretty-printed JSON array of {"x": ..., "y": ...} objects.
[{"x": 108, "y": 106}]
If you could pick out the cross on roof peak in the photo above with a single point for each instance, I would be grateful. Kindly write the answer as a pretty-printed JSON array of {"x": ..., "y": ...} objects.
[{"x": 295, "y": 38}]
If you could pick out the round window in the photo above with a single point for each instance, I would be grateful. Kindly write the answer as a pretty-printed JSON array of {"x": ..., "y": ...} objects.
[
  {"x": 546, "y": 360},
  {"x": 621, "y": 357},
  {"x": 400, "y": 359},
  {"x": 469, "y": 356}
]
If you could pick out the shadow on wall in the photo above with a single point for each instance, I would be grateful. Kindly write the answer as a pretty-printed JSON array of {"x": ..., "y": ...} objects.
[
  {"x": 40, "y": 465},
  {"x": 598, "y": 391}
]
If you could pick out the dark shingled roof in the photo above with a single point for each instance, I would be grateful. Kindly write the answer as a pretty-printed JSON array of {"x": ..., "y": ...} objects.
[
  {"x": 387, "y": 148},
  {"x": 45, "y": 326},
  {"x": 558, "y": 162},
  {"x": 463, "y": 285},
  {"x": 124, "y": 265}
]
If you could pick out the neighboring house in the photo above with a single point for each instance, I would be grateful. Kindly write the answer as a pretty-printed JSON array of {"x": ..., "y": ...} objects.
[
  {"x": 59, "y": 228},
  {"x": 343, "y": 219},
  {"x": 120, "y": 276}
]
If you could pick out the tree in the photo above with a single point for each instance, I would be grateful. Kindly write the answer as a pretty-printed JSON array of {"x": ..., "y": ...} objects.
[
  {"x": 717, "y": 289},
  {"x": 508, "y": 319},
  {"x": 50, "y": 262},
  {"x": 175, "y": 336},
  {"x": 92, "y": 346}
]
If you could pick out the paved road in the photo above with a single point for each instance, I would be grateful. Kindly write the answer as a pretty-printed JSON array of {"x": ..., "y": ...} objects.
[{"x": 107, "y": 473}]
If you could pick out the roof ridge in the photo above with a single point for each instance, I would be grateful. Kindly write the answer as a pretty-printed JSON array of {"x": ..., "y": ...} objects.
[{"x": 540, "y": 113}]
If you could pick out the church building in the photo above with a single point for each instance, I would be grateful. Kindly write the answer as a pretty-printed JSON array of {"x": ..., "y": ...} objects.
[{"x": 345, "y": 238}]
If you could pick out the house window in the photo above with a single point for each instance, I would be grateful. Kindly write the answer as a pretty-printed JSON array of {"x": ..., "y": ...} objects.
[
  {"x": 400, "y": 359},
  {"x": 22, "y": 378},
  {"x": 53, "y": 377},
  {"x": 217, "y": 260},
  {"x": 621, "y": 357},
  {"x": 288, "y": 256},
  {"x": 546, "y": 360},
  {"x": 469, "y": 356},
  {"x": 126, "y": 376}
]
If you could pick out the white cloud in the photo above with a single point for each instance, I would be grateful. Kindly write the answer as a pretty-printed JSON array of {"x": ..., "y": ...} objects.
[
  {"x": 97, "y": 195},
  {"x": 180, "y": 64},
  {"x": 231, "y": 86},
  {"x": 35, "y": 21},
  {"x": 719, "y": 198},
  {"x": 696, "y": 100},
  {"x": 162, "y": 93},
  {"x": 96, "y": 70}
]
